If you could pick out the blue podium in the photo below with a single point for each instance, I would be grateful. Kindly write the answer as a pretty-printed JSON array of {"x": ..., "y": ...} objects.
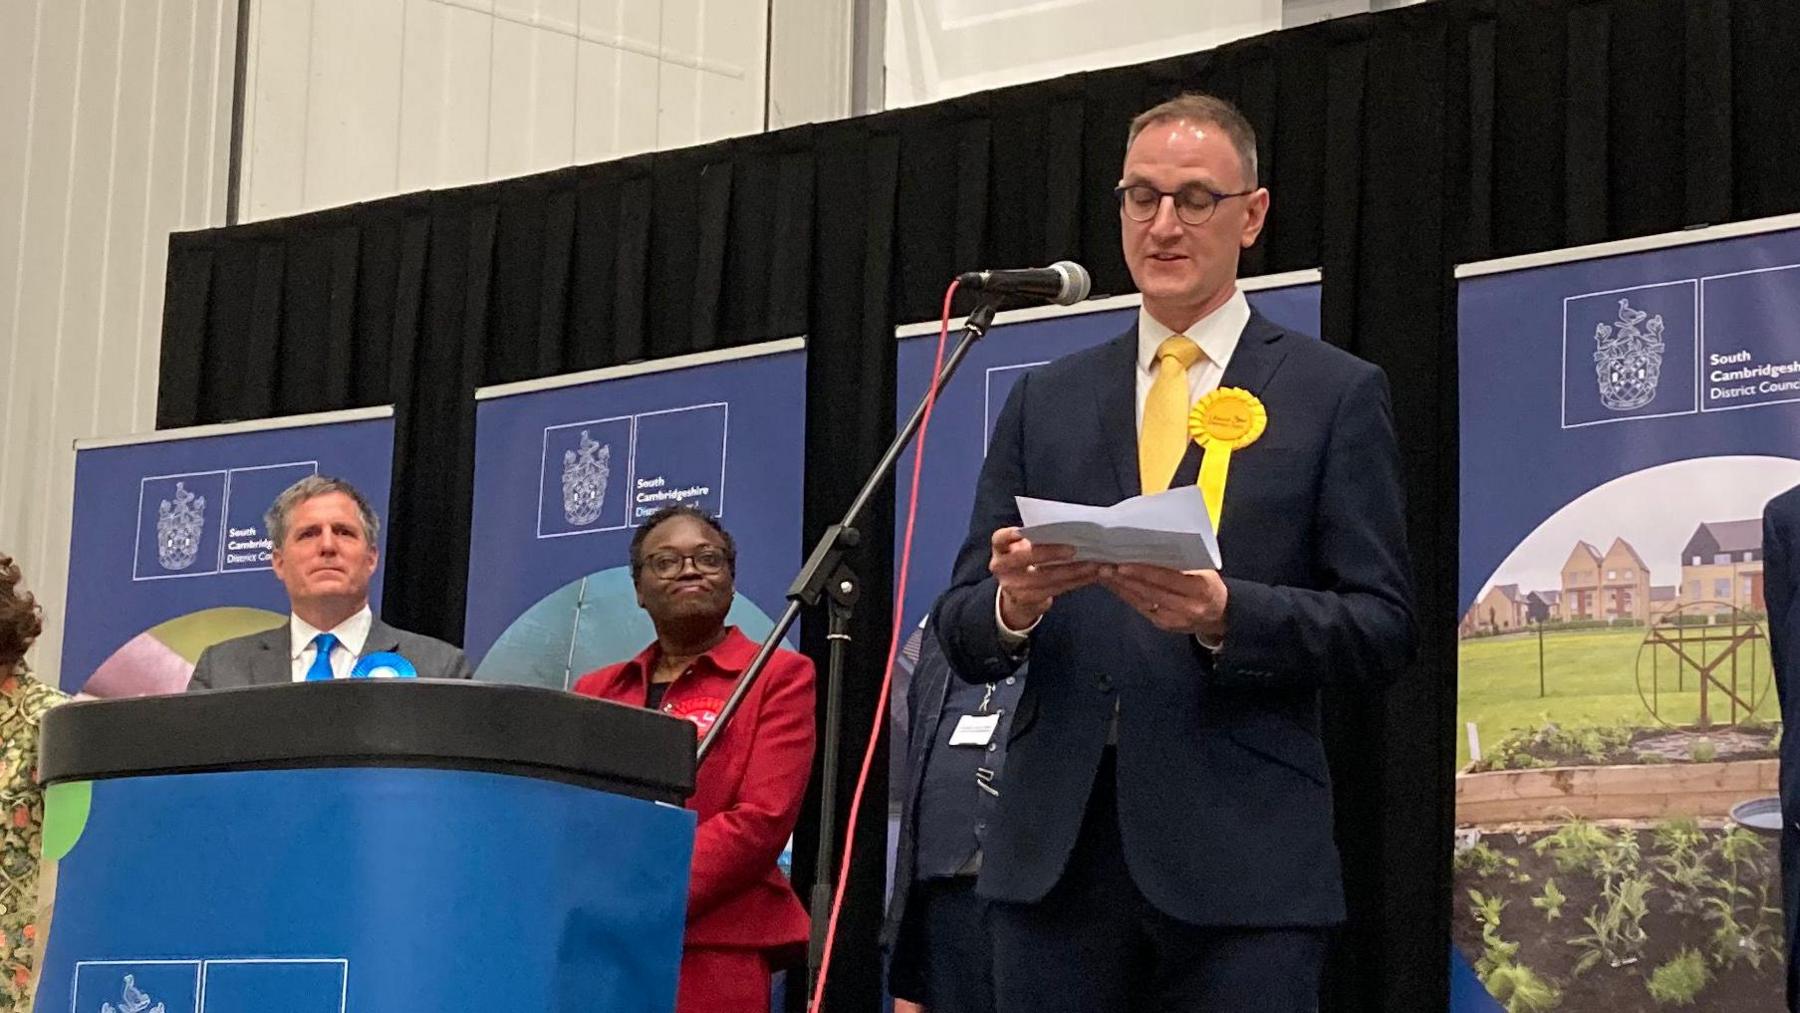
[{"x": 380, "y": 846}]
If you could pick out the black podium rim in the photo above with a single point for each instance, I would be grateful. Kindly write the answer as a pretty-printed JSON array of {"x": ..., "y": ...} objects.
[{"x": 450, "y": 724}]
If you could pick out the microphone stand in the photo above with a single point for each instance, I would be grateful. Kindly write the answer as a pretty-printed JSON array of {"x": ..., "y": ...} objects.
[{"x": 827, "y": 575}]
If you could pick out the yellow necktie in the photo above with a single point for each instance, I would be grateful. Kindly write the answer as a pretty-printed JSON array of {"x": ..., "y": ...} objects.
[{"x": 1164, "y": 437}]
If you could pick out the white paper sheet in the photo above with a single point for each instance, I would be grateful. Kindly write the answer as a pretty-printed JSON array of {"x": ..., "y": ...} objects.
[{"x": 1165, "y": 529}]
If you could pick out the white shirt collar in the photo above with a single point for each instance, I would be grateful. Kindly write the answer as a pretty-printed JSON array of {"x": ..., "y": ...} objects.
[
  {"x": 1217, "y": 333},
  {"x": 352, "y": 633}
]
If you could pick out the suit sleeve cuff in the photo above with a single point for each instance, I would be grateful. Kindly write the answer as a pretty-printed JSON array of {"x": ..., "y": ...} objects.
[{"x": 1010, "y": 638}]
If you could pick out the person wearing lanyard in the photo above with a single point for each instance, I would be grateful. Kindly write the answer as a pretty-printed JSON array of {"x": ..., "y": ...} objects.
[
  {"x": 743, "y": 919},
  {"x": 940, "y": 959}
]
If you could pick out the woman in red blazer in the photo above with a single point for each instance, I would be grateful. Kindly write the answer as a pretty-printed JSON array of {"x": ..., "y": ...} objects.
[{"x": 743, "y": 918}]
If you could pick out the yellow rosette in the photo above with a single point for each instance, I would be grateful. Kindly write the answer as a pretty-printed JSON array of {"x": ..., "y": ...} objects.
[{"x": 1226, "y": 420}]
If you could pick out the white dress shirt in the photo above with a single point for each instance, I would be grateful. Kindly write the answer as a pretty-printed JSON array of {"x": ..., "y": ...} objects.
[
  {"x": 1217, "y": 334},
  {"x": 351, "y": 634}
]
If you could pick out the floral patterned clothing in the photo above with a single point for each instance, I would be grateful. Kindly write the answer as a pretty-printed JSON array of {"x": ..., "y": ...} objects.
[{"x": 23, "y": 701}]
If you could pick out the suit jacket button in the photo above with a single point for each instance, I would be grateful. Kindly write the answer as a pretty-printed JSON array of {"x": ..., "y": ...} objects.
[{"x": 1105, "y": 684}]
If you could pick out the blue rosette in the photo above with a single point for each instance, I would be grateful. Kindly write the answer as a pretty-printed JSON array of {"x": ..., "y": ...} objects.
[{"x": 383, "y": 665}]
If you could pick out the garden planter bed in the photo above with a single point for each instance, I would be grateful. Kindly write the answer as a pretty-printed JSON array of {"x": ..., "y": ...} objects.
[
  {"x": 1720, "y": 913},
  {"x": 1626, "y": 791}
]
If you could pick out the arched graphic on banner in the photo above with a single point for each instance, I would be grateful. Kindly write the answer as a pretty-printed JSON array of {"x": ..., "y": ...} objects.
[
  {"x": 565, "y": 470},
  {"x": 168, "y": 552},
  {"x": 1626, "y": 412}
]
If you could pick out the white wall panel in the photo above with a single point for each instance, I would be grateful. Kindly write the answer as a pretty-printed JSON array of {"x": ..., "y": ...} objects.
[
  {"x": 733, "y": 38},
  {"x": 29, "y": 513},
  {"x": 275, "y": 119},
  {"x": 449, "y": 94},
  {"x": 353, "y": 94},
  {"x": 639, "y": 41},
  {"x": 122, "y": 282},
  {"x": 355, "y": 99},
  {"x": 512, "y": 109},
  {"x": 1295, "y": 13},
  {"x": 551, "y": 61},
  {"x": 678, "y": 83},
  {"x": 635, "y": 102},
  {"x": 941, "y": 48},
  {"x": 116, "y": 114},
  {"x": 598, "y": 78},
  {"x": 810, "y": 47}
]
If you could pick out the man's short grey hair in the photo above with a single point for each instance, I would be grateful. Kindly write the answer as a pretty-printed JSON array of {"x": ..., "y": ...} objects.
[
  {"x": 1202, "y": 108},
  {"x": 312, "y": 487}
]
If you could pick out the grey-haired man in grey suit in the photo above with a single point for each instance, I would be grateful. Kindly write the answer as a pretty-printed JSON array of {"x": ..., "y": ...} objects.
[{"x": 325, "y": 536}]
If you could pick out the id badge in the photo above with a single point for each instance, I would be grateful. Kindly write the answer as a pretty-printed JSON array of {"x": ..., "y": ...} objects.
[{"x": 975, "y": 729}]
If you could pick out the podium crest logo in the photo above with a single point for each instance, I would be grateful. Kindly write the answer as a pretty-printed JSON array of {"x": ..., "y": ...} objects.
[
  {"x": 132, "y": 1000},
  {"x": 1628, "y": 358},
  {"x": 584, "y": 475},
  {"x": 179, "y": 525}
]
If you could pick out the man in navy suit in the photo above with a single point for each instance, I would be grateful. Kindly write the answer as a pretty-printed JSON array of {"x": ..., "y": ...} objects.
[
  {"x": 1165, "y": 839},
  {"x": 1781, "y": 587}
]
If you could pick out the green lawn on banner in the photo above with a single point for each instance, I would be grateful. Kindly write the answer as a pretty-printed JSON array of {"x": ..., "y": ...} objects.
[{"x": 1589, "y": 676}]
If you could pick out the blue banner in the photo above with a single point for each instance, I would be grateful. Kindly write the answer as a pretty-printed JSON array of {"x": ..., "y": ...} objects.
[
  {"x": 565, "y": 472},
  {"x": 370, "y": 889},
  {"x": 1594, "y": 370},
  {"x": 1626, "y": 411},
  {"x": 169, "y": 554}
]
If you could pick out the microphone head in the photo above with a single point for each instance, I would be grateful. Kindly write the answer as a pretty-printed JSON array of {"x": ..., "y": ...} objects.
[{"x": 1076, "y": 283}]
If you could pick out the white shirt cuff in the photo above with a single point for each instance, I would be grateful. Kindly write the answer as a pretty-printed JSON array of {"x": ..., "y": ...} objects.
[
  {"x": 1010, "y": 637},
  {"x": 1214, "y": 646}
]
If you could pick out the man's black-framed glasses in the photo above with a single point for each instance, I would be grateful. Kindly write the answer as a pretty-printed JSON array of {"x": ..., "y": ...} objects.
[
  {"x": 1194, "y": 205},
  {"x": 668, "y": 565}
]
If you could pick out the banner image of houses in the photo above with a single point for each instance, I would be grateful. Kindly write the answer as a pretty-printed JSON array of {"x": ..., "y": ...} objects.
[{"x": 1625, "y": 416}]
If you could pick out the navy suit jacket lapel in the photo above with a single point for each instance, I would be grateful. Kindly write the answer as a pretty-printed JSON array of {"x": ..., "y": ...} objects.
[
  {"x": 1259, "y": 353},
  {"x": 1118, "y": 411}
]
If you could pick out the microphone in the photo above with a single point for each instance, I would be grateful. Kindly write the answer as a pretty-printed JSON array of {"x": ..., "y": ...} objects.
[{"x": 1064, "y": 283}]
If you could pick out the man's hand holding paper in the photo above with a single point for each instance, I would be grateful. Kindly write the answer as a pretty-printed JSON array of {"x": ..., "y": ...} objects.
[
  {"x": 1032, "y": 575},
  {"x": 1167, "y": 529},
  {"x": 1176, "y": 601},
  {"x": 1158, "y": 553}
]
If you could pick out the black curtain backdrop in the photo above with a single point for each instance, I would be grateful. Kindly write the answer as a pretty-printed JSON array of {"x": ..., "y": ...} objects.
[{"x": 1397, "y": 145}]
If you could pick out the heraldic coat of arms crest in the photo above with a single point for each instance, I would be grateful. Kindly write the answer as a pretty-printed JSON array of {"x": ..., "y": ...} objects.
[
  {"x": 584, "y": 475},
  {"x": 133, "y": 1000},
  {"x": 179, "y": 526},
  {"x": 1628, "y": 359}
]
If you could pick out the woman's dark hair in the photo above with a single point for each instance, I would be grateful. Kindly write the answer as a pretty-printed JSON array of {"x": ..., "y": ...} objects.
[
  {"x": 20, "y": 618},
  {"x": 669, "y": 513}
]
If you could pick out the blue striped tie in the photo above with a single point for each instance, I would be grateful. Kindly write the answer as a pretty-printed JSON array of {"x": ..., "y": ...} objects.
[{"x": 321, "y": 666}]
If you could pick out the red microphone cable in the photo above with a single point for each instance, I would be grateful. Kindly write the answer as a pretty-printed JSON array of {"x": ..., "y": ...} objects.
[{"x": 887, "y": 678}]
